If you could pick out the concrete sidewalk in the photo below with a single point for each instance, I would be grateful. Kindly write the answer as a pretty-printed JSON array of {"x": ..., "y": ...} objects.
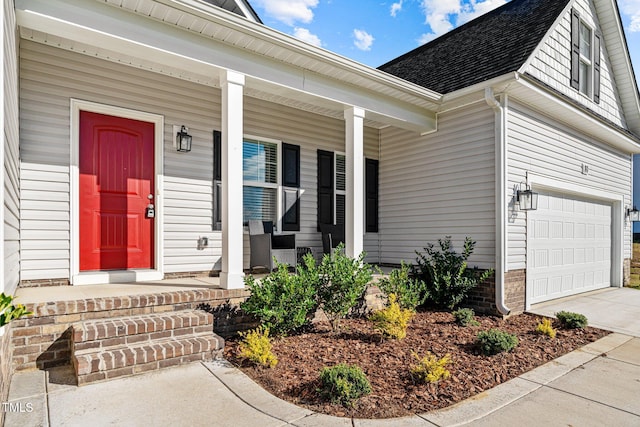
[{"x": 593, "y": 386}]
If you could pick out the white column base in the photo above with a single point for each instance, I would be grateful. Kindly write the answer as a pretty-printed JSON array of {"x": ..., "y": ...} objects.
[{"x": 232, "y": 280}]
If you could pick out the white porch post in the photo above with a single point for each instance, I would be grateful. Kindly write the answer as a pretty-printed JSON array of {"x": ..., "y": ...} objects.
[
  {"x": 232, "y": 83},
  {"x": 354, "y": 138}
]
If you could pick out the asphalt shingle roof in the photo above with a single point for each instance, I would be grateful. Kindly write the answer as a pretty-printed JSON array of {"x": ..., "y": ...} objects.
[{"x": 491, "y": 45}]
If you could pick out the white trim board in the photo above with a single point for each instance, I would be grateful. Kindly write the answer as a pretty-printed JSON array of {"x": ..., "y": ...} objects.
[{"x": 97, "y": 277}]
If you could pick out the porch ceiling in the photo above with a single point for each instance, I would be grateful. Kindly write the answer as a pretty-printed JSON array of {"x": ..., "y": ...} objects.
[{"x": 191, "y": 40}]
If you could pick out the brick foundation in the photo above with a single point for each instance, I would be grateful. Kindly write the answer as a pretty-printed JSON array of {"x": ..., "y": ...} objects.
[
  {"x": 626, "y": 272},
  {"x": 39, "y": 283},
  {"x": 515, "y": 290}
]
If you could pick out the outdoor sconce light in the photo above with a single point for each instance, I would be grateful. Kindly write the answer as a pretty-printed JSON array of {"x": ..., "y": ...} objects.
[
  {"x": 527, "y": 199},
  {"x": 183, "y": 140},
  {"x": 633, "y": 214}
]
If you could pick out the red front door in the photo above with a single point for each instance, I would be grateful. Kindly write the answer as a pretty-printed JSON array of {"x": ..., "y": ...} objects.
[{"x": 116, "y": 181}]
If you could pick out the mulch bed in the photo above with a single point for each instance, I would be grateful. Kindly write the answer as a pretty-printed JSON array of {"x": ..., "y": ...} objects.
[{"x": 386, "y": 362}]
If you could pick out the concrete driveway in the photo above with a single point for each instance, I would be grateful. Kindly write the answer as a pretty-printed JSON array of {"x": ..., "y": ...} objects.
[{"x": 613, "y": 309}]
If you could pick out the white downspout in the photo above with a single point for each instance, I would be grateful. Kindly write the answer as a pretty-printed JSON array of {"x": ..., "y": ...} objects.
[{"x": 501, "y": 205}]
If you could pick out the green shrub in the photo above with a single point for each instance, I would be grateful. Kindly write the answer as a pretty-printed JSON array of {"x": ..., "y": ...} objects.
[
  {"x": 342, "y": 282},
  {"x": 465, "y": 317},
  {"x": 445, "y": 272},
  {"x": 343, "y": 383},
  {"x": 8, "y": 311},
  {"x": 545, "y": 328},
  {"x": 409, "y": 291},
  {"x": 571, "y": 320},
  {"x": 256, "y": 347},
  {"x": 284, "y": 302},
  {"x": 430, "y": 369},
  {"x": 495, "y": 341},
  {"x": 393, "y": 320}
]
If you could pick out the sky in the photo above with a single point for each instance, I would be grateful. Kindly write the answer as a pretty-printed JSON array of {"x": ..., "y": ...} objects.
[{"x": 375, "y": 31}]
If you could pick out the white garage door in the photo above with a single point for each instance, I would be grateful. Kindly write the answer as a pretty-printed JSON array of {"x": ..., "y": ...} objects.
[{"x": 568, "y": 247}]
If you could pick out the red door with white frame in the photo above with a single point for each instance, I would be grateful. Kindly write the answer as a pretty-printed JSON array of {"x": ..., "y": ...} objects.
[{"x": 116, "y": 186}]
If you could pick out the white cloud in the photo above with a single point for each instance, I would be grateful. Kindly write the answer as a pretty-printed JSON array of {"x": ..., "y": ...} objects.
[
  {"x": 363, "y": 40},
  {"x": 443, "y": 16},
  {"x": 476, "y": 8},
  {"x": 395, "y": 8},
  {"x": 289, "y": 11},
  {"x": 305, "y": 35},
  {"x": 631, "y": 9}
]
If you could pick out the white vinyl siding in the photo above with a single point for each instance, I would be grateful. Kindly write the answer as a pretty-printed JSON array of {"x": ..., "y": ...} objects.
[
  {"x": 538, "y": 145},
  {"x": 11, "y": 163},
  {"x": 439, "y": 184},
  {"x": 50, "y": 77},
  {"x": 552, "y": 65}
]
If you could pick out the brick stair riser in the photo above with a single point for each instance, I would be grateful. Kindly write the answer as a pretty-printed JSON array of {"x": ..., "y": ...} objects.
[
  {"x": 113, "y": 328},
  {"x": 44, "y": 339},
  {"x": 124, "y": 361},
  {"x": 105, "y": 344}
]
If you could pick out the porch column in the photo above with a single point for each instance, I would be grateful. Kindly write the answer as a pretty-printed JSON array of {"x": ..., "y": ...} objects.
[
  {"x": 354, "y": 215},
  {"x": 232, "y": 84}
]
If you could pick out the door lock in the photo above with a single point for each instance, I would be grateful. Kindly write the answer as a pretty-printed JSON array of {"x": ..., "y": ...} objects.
[{"x": 151, "y": 211}]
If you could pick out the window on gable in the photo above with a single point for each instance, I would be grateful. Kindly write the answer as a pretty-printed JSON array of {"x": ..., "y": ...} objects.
[{"x": 585, "y": 58}]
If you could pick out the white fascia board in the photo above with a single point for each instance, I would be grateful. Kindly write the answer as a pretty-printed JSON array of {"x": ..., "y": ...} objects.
[{"x": 119, "y": 31}]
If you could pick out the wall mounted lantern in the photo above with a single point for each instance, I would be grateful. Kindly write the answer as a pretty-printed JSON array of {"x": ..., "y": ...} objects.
[
  {"x": 183, "y": 140},
  {"x": 527, "y": 199},
  {"x": 633, "y": 214}
]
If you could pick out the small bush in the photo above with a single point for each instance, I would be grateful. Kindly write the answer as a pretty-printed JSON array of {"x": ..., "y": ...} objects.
[
  {"x": 8, "y": 311},
  {"x": 495, "y": 341},
  {"x": 571, "y": 320},
  {"x": 445, "y": 272},
  {"x": 342, "y": 282},
  {"x": 393, "y": 320},
  {"x": 343, "y": 383},
  {"x": 256, "y": 347},
  {"x": 465, "y": 317},
  {"x": 284, "y": 302},
  {"x": 409, "y": 291},
  {"x": 430, "y": 369},
  {"x": 545, "y": 328}
]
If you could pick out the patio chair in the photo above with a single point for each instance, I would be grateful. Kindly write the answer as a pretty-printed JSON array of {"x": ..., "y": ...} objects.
[
  {"x": 264, "y": 246},
  {"x": 332, "y": 236}
]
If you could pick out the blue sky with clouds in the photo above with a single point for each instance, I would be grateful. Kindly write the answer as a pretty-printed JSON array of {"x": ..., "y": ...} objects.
[{"x": 376, "y": 31}]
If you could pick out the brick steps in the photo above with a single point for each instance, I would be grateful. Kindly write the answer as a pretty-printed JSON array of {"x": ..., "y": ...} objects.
[{"x": 110, "y": 348}]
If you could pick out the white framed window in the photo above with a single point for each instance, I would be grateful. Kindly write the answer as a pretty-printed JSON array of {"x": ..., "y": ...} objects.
[
  {"x": 586, "y": 59},
  {"x": 261, "y": 179}
]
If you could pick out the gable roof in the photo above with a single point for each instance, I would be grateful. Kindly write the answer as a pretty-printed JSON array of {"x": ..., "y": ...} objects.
[
  {"x": 239, "y": 7},
  {"x": 489, "y": 46}
]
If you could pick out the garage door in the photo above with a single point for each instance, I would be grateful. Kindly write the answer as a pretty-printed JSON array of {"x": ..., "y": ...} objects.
[{"x": 568, "y": 247}]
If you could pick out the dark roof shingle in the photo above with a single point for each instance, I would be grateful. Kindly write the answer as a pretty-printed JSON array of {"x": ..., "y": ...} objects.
[{"x": 491, "y": 45}]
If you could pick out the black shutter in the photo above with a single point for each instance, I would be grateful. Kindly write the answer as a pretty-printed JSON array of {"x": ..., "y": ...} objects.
[
  {"x": 217, "y": 178},
  {"x": 596, "y": 68},
  {"x": 575, "y": 49},
  {"x": 217, "y": 155},
  {"x": 291, "y": 187},
  {"x": 325, "y": 187},
  {"x": 371, "y": 186}
]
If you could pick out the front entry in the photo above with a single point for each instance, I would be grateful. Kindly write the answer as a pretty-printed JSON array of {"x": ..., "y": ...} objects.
[{"x": 116, "y": 164}]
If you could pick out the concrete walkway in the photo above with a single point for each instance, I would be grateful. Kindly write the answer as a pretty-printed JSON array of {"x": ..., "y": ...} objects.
[{"x": 596, "y": 385}]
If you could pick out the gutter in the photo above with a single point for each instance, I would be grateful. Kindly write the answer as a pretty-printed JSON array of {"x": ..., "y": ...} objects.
[{"x": 500, "y": 109}]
